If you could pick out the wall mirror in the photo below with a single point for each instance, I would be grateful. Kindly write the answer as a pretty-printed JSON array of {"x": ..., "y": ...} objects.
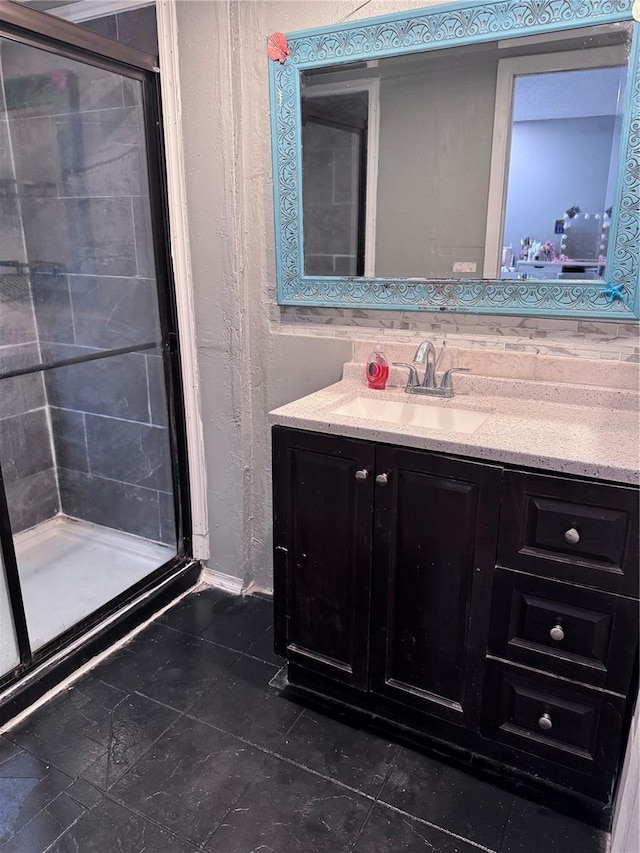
[{"x": 468, "y": 157}]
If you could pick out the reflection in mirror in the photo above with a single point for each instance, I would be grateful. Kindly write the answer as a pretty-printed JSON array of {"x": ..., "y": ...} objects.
[
  {"x": 565, "y": 140},
  {"x": 463, "y": 162},
  {"x": 334, "y": 138},
  {"x": 585, "y": 235}
]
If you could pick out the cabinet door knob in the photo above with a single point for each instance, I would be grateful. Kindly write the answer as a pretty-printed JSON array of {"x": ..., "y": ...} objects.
[
  {"x": 362, "y": 474},
  {"x": 545, "y": 722},
  {"x": 556, "y": 633},
  {"x": 382, "y": 479},
  {"x": 572, "y": 536}
]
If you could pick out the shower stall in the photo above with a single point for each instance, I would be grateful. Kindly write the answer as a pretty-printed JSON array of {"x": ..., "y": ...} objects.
[{"x": 92, "y": 462}]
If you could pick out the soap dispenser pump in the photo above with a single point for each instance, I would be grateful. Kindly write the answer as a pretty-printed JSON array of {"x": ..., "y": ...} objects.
[{"x": 377, "y": 369}]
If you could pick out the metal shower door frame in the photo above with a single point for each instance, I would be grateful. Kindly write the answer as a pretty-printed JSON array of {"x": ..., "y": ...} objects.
[{"x": 40, "y": 30}]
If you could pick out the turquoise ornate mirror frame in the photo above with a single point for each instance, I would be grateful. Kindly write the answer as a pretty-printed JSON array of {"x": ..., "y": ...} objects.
[{"x": 616, "y": 296}]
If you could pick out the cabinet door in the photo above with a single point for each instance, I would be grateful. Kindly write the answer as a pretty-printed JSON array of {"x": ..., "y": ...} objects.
[
  {"x": 435, "y": 535},
  {"x": 323, "y": 518}
]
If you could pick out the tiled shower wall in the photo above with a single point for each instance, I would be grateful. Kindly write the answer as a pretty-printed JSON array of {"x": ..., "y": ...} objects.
[
  {"x": 77, "y": 132},
  {"x": 137, "y": 28},
  {"x": 29, "y": 478},
  {"x": 331, "y": 200}
]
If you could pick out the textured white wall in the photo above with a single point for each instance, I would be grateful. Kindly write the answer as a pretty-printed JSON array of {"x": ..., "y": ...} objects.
[
  {"x": 244, "y": 369},
  {"x": 254, "y": 355},
  {"x": 208, "y": 123}
]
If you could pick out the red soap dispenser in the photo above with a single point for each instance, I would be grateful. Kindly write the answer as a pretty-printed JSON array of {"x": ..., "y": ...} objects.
[{"x": 377, "y": 369}]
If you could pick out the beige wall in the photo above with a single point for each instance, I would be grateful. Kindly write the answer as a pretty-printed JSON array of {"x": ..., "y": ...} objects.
[
  {"x": 254, "y": 355},
  {"x": 414, "y": 236}
]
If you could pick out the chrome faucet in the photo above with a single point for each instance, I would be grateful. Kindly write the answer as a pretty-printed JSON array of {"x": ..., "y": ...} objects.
[{"x": 426, "y": 354}]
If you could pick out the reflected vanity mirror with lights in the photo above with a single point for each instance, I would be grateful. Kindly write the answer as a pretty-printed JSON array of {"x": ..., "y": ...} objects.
[{"x": 485, "y": 173}]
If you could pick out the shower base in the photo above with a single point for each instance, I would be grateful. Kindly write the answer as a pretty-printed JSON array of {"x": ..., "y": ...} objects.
[{"x": 69, "y": 568}]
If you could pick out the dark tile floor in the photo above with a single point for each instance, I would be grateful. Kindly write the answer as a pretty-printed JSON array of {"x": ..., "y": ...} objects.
[{"x": 176, "y": 743}]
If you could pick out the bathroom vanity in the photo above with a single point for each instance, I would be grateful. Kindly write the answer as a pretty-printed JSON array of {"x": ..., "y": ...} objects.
[
  {"x": 463, "y": 571},
  {"x": 476, "y": 592}
]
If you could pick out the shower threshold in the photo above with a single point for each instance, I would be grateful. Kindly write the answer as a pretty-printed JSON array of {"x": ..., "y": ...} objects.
[{"x": 69, "y": 568}]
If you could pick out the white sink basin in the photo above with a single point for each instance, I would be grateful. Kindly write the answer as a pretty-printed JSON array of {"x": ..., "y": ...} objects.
[{"x": 413, "y": 414}]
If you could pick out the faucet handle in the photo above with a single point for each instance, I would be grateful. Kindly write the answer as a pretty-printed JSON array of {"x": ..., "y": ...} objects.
[
  {"x": 445, "y": 382},
  {"x": 412, "y": 379}
]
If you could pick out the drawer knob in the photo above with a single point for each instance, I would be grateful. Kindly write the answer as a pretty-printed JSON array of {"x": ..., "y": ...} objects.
[
  {"x": 556, "y": 633},
  {"x": 545, "y": 722},
  {"x": 362, "y": 474},
  {"x": 572, "y": 536},
  {"x": 382, "y": 479}
]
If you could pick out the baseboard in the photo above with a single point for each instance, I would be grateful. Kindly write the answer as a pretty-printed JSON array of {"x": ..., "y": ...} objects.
[
  {"x": 220, "y": 580},
  {"x": 233, "y": 585},
  {"x": 260, "y": 591}
]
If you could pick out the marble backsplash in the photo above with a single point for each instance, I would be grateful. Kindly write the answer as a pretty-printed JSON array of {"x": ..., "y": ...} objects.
[{"x": 538, "y": 336}]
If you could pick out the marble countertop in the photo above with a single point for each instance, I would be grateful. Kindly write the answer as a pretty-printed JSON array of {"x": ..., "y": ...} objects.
[{"x": 573, "y": 429}]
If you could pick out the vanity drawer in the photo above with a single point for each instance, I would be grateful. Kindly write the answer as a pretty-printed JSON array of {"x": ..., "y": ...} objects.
[
  {"x": 572, "y": 631},
  {"x": 586, "y": 533},
  {"x": 559, "y": 722}
]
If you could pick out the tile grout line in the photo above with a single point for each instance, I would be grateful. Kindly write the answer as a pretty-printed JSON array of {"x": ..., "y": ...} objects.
[
  {"x": 84, "y": 813},
  {"x": 293, "y": 724},
  {"x": 44, "y": 809},
  {"x": 89, "y": 667},
  {"x": 354, "y": 843},
  {"x": 426, "y": 822},
  {"x": 220, "y": 645},
  {"x": 375, "y": 802},
  {"x": 153, "y": 821},
  {"x": 257, "y": 640},
  {"x": 270, "y": 752},
  {"x": 107, "y": 753},
  {"x": 87, "y": 810},
  {"x": 93, "y": 663},
  {"x": 421, "y": 820},
  {"x": 267, "y": 754},
  {"x": 506, "y": 825},
  {"x": 236, "y": 800},
  {"x": 109, "y": 785},
  {"x": 262, "y": 660},
  {"x": 48, "y": 761},
  {"x": 185, "y": 712},
  {"x": 273, "y": 754}
]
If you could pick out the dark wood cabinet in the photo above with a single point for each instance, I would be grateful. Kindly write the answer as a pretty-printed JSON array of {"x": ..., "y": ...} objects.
[
  {"x": 568, "y": 630},
  {"x": 323, "y": 488},
  {"x": 434, "y": 551},
  {"x": 581, "y": 532},
  {"x": 424, "y": 528},
  {"x": 563, "y": 723},
  {"x": 478, "y": 607}
]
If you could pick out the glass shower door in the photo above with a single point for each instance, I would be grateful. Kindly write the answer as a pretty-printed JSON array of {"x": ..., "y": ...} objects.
[
  {"x": 85, "y": 446},
  {"x": 9, "y": 651},
  {"x": 13, "y": 651}
]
